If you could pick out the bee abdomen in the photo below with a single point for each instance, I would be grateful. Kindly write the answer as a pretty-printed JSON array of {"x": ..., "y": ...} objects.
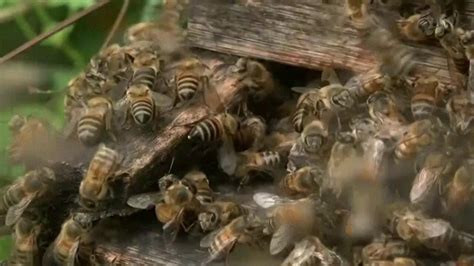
[
  {"x": 89, "y": 130},
  {"x": 298, "y": 119},
  {"x": 142, "y": 111},
  {"x": 207, "y": 130},
  {"x": 271, "y": 158},
  {"x": 187, "y": 87},
  {"x": 422, "y": 109},
  {"x": 145, "y": 76}
]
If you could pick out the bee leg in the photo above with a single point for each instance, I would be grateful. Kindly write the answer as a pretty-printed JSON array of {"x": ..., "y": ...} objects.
[{"x": 243, "y": 182}]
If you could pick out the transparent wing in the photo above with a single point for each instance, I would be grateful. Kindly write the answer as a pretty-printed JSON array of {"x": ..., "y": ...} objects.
[
  {"x": 227, "y": 157},
  {"x": 424, "y": 184},
  {"x": 171, "y": 228},
  {"x": 211, "y": 96},
  {"x": 329, "y": 75},
  {"x": 301, "y": 90},
  {"x": 145, "y": 201},
  {"x": 267, "y": 200},
  {"x": 280, "y": 239},
  {"x": 15, "y": 212},
  {"x": 207, "y": 240},
  {"x": 162, "y": 100}
]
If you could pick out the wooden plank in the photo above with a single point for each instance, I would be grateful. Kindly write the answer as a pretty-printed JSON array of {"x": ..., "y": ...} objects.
[
  {"x": 307, "y": 33},
  {"x": 470, "y": 81}
]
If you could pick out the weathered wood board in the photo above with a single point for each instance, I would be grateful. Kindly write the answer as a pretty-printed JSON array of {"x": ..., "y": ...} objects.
[{"x": 305, "y": 33}]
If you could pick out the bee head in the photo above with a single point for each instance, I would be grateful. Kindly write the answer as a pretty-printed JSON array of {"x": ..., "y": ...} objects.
[{"x": 208, "y": 220}]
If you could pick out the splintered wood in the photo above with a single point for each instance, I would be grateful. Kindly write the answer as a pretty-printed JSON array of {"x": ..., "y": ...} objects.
[{"x": 305, "y": 33}]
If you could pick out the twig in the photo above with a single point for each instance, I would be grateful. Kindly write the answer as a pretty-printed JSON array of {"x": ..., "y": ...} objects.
[
  {"x": 117, "y": 22},
  {"x": 65, "y": 23}
]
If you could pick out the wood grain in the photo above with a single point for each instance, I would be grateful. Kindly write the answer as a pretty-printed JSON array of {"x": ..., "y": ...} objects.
[{"x": 307, "y": 33}]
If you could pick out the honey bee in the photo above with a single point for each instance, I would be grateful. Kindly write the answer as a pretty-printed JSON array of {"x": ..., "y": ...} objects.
[
  {"x": 198, "y": 179},
  {"x": 447, "y": 35},
  {"x": 249, "y": 163},
  {"x": 307, "y": 104},
  {"x": 219, "y": 213},
  {"x": 256, "y": 78},
  {"x": 95, "y": 120},
  {"x": 251, "y": 134},
  {"x": 26, "y": 232},
  {"x": 365, "y": 84},
  {"x": 29, "y": 133},
  {"x": 461, "y": 113},
  {"x": 426, "y": 97},
  {"x": 289, "y": 221},
  {"x": 418, "y": 138},
  {"x": 466, "y": 37},
  {"x": 245, "y": 229},
  {"x": 434, "y": 234},
  {"x": 303, "y": 181},
  {"x": 383, "y": 109},
  {"x": 65, "y": 247},
  {"x": 141, "y": 103},
  {"x": 80, "y": 89},
  {"x": 417, "y": 27},
  {"x": 386, "y": 249},
  {"x": 459, "y": 190},
  {"x": 310, "y": 251},
  {"x": 427, "y": 183},
  {"x": 101, "y": 172},
  {"x": 25, "y": 192},
  {"x": 189, "y": 79}
]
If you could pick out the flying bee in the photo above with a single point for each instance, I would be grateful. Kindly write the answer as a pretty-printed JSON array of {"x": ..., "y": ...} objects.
[
  {"x": 25, "y": 192},
  {"x": 289, "y": 221},
  {"x": 418, "y": 138},
  {"x": 188, "y": 79},
  {"x": 426, "y": 97},
  {"x": 249, "y": 163},
  {"x": 26, "y": 232},
  {"x": 426, "y": 187},
  {"x": 417, "y": 27},
  {"x": 251, "y": 134},
  {"x": 245, "y": 229},
  {"x": 95, "y": 120},
  {"x": 219, "y": 213},
  {"x": 302, "y": 182},
  {"x": 198, "y": 179},
  {"x": 65, "y": 247},
  {"x": 101, "y": 172},
  {"x": 310, "y": 251},
  {"x": 459, "y": 190},
  {"x": 29, "y": 133},
  {"x": 365, "y": 84},
  {"x": 461, "y": 113}
]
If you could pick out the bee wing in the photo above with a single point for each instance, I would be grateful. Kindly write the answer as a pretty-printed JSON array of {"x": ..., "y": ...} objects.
[
  {"x": 329, "y": 75},
  {"x": 16, "y": 211},
  {"x": 162, "y": 100},
  {"x": 207, "y": 240},
  {"x": 281, "y": 239},
  {"x": 301, "y": 90},
  {"x": 211, "y": 96},
  {"x": 171, "y": 228},
  {"x": 145, "y": 201},
  {"x": 227, "y": 157},
  {"x": 425, "y": 184},
  {"x": 71, "y": 126},
  {"x": 267, "y": 200},
  {"x": 71, "y": 258}
]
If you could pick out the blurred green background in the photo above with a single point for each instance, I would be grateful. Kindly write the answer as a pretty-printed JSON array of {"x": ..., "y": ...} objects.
[{"x": 51, "y": 64}]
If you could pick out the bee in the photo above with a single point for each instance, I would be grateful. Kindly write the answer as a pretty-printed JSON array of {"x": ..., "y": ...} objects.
[
  {"x": 198, "y": 179},
  {"x": 461, "y": 113},
  {"x": 459, "y": 190},
  {"x": 29, "y": 133},
  {"x": 386, "y": 249},
  {"x": 219, "y": 213},
  {"x": 249, "y": 163},
  {"x": 426, "y": 97},
  {"x": 307, "y": 104},
  {"x": 66, "y": 245},
  {"x": 466, "y": 37},
  {"x": 25, "y": 192},
  {"x": 417, "y": 27},
  {"x": 427, "y": 183},
  {"x": 310, "y": 251},
  {"x": 419, "y": 137},
  {"x": 365, "y": 84},
  {"x": 251, "y": 134},
  {"x": 303, "y": 181},
  {"x": 447, "y": 35},
  {"x": 26, "y": 232},
  {"x": 101, "y": 172},
  {"x": 188, "y": 80},
  {"x": 256, "y": 78},
  {"x": 95, "y": 121},
  {"x": 80, "y": 89},
  {"x": 245, "y": 229},
  {"x": 383, "y": 109},
  {"x": 280, "y": 142},
  {"x": 289, "y": 221}
]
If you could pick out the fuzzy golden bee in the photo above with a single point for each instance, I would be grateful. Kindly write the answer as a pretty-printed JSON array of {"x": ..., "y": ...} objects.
[
  {"x": 310, "y": 251},
  {"x": 251, "y": 134},
  {"x": 96, "y": 121},
  {"x": 95, "y": 186},
  {"x": 417, "y": 27},
  {"x": 199, "y": 181},
  {"x": 219, "y": 213},
  {"x": 302, "y": 182},
  {"x": 27, "y": 191},
  {"x": 461, "y": 113},
  {"x": 245, "y": 229},
  {"x": 26, "y": 232},
  {"x": 426, "y": 97},
  {"x": 65, "y": 247},
  {"x": 256, "y": 78},
  {"x": 189, "y": 79},
  {"x": 367, "y": 83},
  {"x": 459, "y": 190}
]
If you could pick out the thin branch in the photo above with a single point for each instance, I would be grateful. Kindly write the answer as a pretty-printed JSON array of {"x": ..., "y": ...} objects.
[
  {"x": 65, "y": 23},
  {"x": 117, "y": 22}
]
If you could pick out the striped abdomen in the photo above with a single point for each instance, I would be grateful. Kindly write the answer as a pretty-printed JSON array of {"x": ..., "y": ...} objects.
[
  {"x": 143, "y": 110},
  {"x": 25, "y": 255},
  {"x": 90, "y": 129},
  {"x": 12, "y": 196},
  {"x": 422, "y": 107},
  {"x": 61, "y": 251},
  {"x": 187, "y": 86},
  {"x": 104, "y": 162},
  {"x": 210, "y": 129},
  {"x": 144, "y": 76},
  {"x": 204, "y": 195},
  {"x": 270, "y": 158}
]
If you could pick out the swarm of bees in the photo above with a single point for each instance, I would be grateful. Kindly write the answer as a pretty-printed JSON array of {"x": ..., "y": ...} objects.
[{"x": 371, "y": 171}]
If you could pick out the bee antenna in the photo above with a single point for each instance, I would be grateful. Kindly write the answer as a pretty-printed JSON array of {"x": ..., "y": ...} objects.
[{"x": 171, "y": 165}]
